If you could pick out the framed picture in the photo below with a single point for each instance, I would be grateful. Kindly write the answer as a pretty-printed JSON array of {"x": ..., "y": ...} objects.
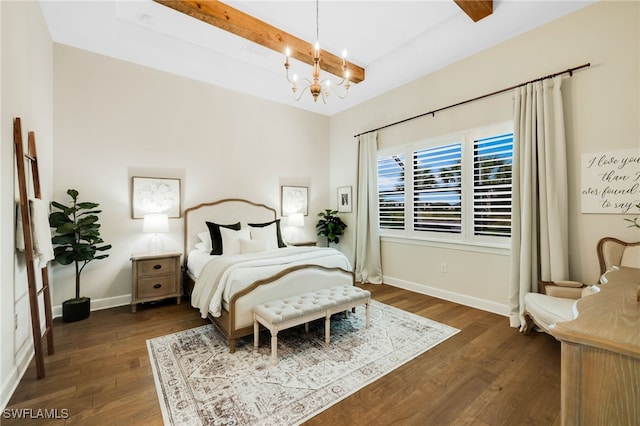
[
  {"x": 344, "y": 199},
  {"x": 155, "y": 195},
  {"x": 294, "y": 200}
]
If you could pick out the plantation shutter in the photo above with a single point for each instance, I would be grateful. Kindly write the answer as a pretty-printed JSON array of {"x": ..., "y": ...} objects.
[
  {"x": 391, "y": 174},
  {"x": 437, "y": 189},
  {"x": 492, "y": 168}
]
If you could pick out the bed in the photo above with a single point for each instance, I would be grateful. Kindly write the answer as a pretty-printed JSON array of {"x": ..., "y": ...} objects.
[{"x": 235, "y": 258}]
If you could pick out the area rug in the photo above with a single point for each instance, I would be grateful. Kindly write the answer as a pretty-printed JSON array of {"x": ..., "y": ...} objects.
[{"x": 200, "y": 383}]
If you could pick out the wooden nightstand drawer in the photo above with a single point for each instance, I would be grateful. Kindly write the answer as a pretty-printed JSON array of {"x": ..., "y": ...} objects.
[
  {"x": 156, "y": 267},
  {"x": 157, "y": 286},
  {"x": 155, "y": 277}
]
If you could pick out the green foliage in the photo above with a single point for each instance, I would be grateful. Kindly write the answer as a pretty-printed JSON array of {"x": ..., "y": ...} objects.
[
  {"x": 77, "y": 238},
  {"x": 330, "y": 225},
  {"x": 634, "y": 222}
]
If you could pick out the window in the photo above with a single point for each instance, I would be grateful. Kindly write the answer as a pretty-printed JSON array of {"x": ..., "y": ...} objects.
[
  {"x": 455, "y": 188},
  {"x": 391, "y": 191},
  {"x": 437, "y": 189},
  {"x": 492, "y": 160}
]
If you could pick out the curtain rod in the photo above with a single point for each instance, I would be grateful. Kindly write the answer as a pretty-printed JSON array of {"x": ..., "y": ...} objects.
[{"x": 433, "y": 113}]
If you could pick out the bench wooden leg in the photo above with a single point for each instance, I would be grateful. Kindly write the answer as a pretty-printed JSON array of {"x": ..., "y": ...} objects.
[
  {"x": 274, "y": 347},
  {"x": 368, "y": 310},
  {"x": 327, "y": 328},
  {"x": 256, "y": 331}
]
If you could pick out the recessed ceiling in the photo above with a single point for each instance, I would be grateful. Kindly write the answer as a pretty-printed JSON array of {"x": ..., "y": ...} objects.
[{"x": 394, "y": 41}]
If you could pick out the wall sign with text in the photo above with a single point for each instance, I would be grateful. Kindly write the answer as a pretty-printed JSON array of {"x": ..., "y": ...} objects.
[{"x": 611, "y": 182}]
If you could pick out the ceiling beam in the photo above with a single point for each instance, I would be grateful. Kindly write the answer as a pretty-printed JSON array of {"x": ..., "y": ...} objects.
[
  {"x": 239, "y": 23},
  {"x": 476, "y": 9}
]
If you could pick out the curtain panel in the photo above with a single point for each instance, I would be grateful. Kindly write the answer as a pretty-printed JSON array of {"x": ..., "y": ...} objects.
[
  {"x": 368, "y": 264},
  {"x": 539, "y": 237}
]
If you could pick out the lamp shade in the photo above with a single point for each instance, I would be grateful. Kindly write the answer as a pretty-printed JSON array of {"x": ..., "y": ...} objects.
[
  {"x": 296, "y": 219},
  {"x": 155, "y": 223}
]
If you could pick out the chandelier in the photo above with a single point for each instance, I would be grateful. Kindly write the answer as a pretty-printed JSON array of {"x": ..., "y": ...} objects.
[{"x": 316, "y": 86}]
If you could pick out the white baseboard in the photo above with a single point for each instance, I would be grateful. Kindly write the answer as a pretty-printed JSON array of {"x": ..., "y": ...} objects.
[
  {"x": 463, "y": 299},
  {"x": 99, "y": 304},
  {"x": 23, "y": 359}
]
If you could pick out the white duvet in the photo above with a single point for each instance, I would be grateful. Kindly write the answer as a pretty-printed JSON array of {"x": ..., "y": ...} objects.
[{"x": 223, "y": 276}]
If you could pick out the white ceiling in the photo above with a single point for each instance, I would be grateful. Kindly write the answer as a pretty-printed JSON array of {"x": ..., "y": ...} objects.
[{"x": 395, "y": 41}]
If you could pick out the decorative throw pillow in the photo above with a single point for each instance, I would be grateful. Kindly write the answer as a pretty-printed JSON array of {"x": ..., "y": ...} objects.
[
  {"x": 216, "y": 238},
  {"x": 280, "y": 242},
  {"x": 266, "y": 234},
  {"x": 252, "y": 246},
  {"x": 231, "y": 239}
]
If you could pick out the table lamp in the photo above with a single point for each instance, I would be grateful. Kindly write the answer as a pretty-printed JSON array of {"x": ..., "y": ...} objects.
[{"x": 155, "y": 223}]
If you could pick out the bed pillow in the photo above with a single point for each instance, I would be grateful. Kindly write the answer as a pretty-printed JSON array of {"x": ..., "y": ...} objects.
[
  {"x": 278, "y": 235},
  {"x": 253, "y": 246},
  {"x": 216, "y": 238},
  {"x": 266, "y": 234},
  {"x": 205, "y": 242},
  {"x": 231, "y": 239}
]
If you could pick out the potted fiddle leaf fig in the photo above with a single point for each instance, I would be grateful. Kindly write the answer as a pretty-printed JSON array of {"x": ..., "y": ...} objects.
[
  {"x": 330, "y": 226},
  {"x": 77, "y": 241}
]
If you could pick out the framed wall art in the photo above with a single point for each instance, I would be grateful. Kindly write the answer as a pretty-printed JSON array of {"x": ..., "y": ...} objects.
[
  {"x": 344, "y": 199},
  {"x": 294, "y": 200},
  {"x": 155, "y": 195}
]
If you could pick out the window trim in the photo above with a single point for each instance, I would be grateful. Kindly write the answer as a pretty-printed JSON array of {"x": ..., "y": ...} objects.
[{"x": 466, "y": 237}]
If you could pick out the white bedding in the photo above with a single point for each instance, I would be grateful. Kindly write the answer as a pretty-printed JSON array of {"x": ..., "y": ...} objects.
[
  {"x": 196, "y": 261},
  {"x": 222, "y": 276}
]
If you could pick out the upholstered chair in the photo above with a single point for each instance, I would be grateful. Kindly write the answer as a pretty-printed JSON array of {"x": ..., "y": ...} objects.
[
  {"x": 614, "y": 253},
  {"x": 556, "y": 301}
]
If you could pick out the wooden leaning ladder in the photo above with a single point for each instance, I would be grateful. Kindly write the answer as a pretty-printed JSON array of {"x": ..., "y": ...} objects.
[{"x": 25, "y": 213}]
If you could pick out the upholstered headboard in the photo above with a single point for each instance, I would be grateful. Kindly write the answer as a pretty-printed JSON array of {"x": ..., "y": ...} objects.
[{"x": 225, "y": 211}]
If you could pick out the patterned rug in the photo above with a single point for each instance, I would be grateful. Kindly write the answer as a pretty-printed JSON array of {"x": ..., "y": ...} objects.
[{"x": 200, "y": 383}]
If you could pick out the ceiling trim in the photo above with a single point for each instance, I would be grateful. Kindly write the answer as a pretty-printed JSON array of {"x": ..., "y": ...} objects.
[{"x": 225, "y": 17}]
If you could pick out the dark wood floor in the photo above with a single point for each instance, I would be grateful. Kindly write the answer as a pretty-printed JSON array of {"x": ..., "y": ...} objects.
[{"x": 488, "y": 374}]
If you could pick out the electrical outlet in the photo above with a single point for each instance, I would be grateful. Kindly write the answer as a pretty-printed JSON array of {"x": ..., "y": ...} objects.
[{"x": 443, "y": 268}]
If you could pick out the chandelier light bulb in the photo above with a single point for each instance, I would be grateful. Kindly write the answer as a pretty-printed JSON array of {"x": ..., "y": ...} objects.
[
  {"x": 287, "y": 52},
  {"x": 344, "y": 54}
]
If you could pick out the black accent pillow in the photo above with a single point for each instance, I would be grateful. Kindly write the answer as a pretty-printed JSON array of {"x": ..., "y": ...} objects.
[
  {"x": 281, "y": 243},
  {"x": 216, "y": 237}
]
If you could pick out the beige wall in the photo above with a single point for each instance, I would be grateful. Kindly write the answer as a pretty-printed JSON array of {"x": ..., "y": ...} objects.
[
  {"x": 26, "y": 92},
  {"x": 114, "y": 120},
  {"x": 602, "y": 112}
]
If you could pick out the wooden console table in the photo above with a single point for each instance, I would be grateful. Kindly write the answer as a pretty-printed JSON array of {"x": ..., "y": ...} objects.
[{"x": 600, "y": 378}]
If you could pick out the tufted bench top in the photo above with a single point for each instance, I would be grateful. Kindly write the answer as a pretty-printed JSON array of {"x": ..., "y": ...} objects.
[
  {"x": 281, "y": 310},
  {"x": 280, "y": 314}
]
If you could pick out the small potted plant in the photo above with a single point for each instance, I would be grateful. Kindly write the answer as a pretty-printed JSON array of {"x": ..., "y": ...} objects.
[
  {"x": 330, "y": 226},
  {"x": 76, "y": 241}
]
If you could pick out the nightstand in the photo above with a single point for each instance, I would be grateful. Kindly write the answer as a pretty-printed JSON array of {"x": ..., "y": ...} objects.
[
  {"x": 302, "y": 243},
  {"x": 156, "y": 276}
]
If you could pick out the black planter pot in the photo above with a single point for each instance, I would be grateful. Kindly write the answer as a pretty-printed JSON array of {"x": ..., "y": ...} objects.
[{"x": 76, "y": 309}]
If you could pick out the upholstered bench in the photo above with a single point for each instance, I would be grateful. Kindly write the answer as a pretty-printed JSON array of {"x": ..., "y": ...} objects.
[{"x": 284, "y": 313}]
